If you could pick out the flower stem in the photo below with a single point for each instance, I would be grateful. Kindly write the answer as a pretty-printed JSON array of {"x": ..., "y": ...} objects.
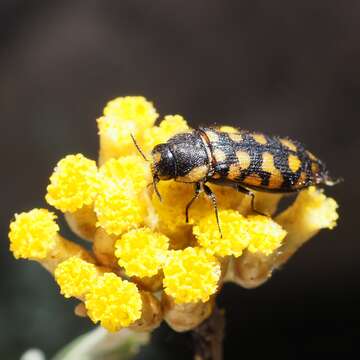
[{"x": 208, "y": 337}]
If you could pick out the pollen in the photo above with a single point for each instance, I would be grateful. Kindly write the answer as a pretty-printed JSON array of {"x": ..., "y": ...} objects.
[
  {"x": 234, "y": 227},
  {"x": 131, "y": 167},
  {"x": 148, "y": 262},
  {"x": 73, "y": 184},
  {"x": 176, "y": 196},
  {"x": 75, "y": 277},
  {"x": 170, "y": 126},
  {"x": 265, "y": 234},
  {"x": 191, "y": 275},
  {"x": 142, "y": 252},
  {"x": 133, "y": 109},
  {"x": 115, "y": 303},
  {"x": 119, "y": 206},
  {"x": 316, "y": 210},
  {"x": 33, "y": 234},
  {"x": 124, "y": 116}
]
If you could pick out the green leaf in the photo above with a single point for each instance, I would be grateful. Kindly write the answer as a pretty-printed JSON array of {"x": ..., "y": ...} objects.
[{"x": 99, "y": 344}]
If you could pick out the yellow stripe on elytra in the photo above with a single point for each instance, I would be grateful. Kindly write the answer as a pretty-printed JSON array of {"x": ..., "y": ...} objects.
[
  {"x": 234, "y": 171},
  {"x": 244, "y": 159},
  {"x": 276, "y": 179},
  {"x": 260, "y": 138},
  {"x": 294, "y": 163},
  {"x": 235, "y": 137},
  {"x": 253, "y": 179},
  {"x": 311, "y": 155},
  {"x": 289, "y": 144},
  {"x": 219, "y": 155},
  {"x": 268, "y": 162},
  {"x": 195, "y": 175},
  {"x": 212, "y": 135}
]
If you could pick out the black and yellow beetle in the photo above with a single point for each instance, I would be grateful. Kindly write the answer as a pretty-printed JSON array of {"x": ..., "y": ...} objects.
[{"x": 243, "y": 160}]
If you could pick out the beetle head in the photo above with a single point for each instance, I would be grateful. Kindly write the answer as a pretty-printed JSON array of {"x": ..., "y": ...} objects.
[{"x": 163, "y": 164}]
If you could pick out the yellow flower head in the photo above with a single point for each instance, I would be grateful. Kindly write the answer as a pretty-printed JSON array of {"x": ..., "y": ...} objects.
[
  {"x": 33, "y": 234},
  {"x": 73, "y": 184},
  {"x": 170, "y": 126},
  {"x": 119, "y": 207},
  {"x": 191, "y": 275},
  {"x": 132, "y": 167},
  {"x": 114, "y": 302},
  {"x": 120, "y": 204},
  {"x": 319, "y": 210},
  {"x": 122, "y": 117},
  {"x": 75, "y": 276},
  {"x": 142, "y": 252},
  {"x": 176, "y": 196},
  {"x": 148, "y": 241},
  {"x": 265, "y": 234},
  {"x": 235, "y": 232},
  {"x": 133, "y": 109}
]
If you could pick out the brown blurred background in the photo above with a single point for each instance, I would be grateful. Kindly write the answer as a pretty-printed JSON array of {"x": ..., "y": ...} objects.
[{"x": 277, "y": 66}]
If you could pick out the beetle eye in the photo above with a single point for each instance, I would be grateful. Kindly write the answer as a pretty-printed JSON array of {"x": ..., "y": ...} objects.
[{"x": 164, "y": 166}]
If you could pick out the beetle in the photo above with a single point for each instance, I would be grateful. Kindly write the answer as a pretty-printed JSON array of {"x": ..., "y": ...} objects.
[{"x": 241, "y": 159}]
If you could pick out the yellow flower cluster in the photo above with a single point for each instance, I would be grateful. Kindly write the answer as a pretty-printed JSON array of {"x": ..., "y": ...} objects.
[
  {"x": 191, "y": 275},
  {"x": 114, "y": 302},
  {"x": 122, "y": 116},
  {"x": 75, "y": 277},
  {"x": 33, "y": 234},
  {"x": 142, "y": 252},
  {"x": 171, "y": 125},
  {"x": 73, "y": 184},
  {"x": 147, "y": 264},
  {"x": 120, "y": 204}
]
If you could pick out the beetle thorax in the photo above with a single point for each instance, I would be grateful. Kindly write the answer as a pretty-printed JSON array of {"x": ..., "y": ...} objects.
[{"x": 183, "y": 158}]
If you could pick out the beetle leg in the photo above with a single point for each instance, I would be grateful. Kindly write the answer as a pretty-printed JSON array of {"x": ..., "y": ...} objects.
[
  {"x": 250, "y": 193},
  {"x": 155, "y": 182},
  {"x": 196, "y": 195},
  {"x": 212, "y": 197}
]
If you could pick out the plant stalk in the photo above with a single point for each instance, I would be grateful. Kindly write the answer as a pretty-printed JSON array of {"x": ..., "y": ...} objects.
[{"x": 208, "y": 337}]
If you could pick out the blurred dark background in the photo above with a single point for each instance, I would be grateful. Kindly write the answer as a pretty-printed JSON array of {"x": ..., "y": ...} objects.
[{"x": 277, "y": 66}]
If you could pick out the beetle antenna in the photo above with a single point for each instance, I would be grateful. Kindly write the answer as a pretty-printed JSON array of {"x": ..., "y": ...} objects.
[{"x": 138, "y": 147}]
